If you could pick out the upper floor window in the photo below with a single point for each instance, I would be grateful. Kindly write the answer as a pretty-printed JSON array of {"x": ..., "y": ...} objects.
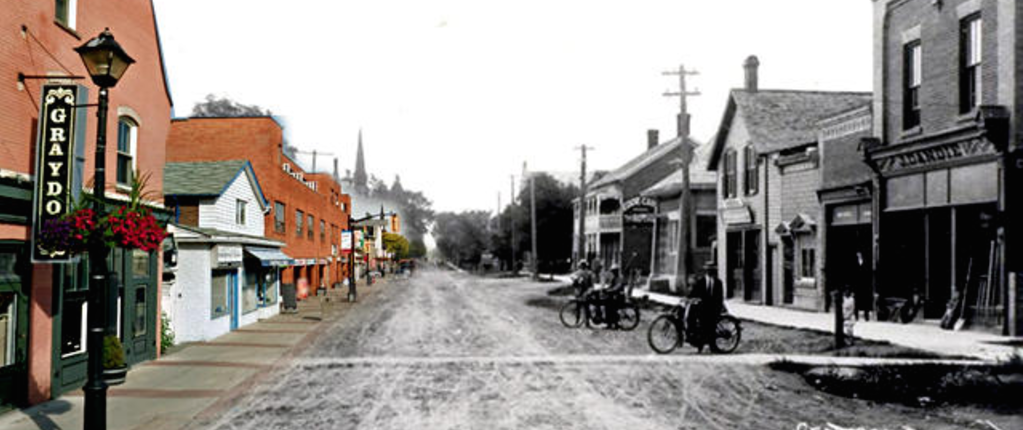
[
  {"x": 299, "y": 216},
  {"x": 749, "y": 173},
  {"x": 127, "y": 146},
  {"x": 239, "y": 212},
  {"x": 279, "y": 223},
  {"x": 912, "y": 71},
  {"x": 323, "y": 231},
  {"x": 730, "y": 174},
  {"x": 311, "y": 226},
  {"x": 970, "y": 49},
  {"x": 66, "y": 12}
]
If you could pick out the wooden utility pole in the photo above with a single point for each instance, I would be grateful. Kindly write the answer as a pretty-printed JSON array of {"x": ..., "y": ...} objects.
[
  {"x": 511, "y": 221},
  {"x": 581, "y": 240},
  {"x": 684, "y": 257},
  {"x": 532, "y": 210}
]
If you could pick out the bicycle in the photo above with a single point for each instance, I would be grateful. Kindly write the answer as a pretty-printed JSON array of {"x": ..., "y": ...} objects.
[
  {"x": 672, "y": 328},
  {"x": 578, "y": 310}
]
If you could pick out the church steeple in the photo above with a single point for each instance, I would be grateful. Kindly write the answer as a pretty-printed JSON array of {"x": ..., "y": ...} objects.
[{"x": 361, "y": 181}]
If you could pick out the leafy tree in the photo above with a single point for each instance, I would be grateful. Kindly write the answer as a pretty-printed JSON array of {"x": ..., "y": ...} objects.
[
  {"x": 417, "y": 248},
  {"x": 554, "y": 224},
  {"x": 397, "y": 244},
  {"x": 223, "y": 107},
  {"x": 462, "y": 237}
]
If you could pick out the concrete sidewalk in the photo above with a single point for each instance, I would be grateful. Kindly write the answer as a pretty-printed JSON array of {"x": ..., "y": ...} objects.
[
  {"x": 923, "y": 336},
  {"x": 198, "y": 381}
]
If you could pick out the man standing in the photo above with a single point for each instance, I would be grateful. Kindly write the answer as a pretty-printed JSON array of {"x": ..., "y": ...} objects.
[{"x": 710, "y": 291}]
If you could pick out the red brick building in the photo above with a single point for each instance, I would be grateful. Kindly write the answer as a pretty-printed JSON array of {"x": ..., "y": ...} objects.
[
  {"x": 42, "y": 306},
  {"x": 308, "y": 210}
]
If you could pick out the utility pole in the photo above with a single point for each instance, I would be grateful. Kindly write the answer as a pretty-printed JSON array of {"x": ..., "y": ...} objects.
[
  {"x": 511, "y": 221},
  {"x": 314, "y": 154},
  {"x": 581, "y": 240},
  {"x": 532, "y": 209},
  {"x": 684, "y": 256}
]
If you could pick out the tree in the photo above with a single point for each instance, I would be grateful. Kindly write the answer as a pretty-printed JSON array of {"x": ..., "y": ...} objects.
[
  {"x": 462, "y": 237},
  {"x": 554, "y": 224},
  {"x": 396, "y": 244}
]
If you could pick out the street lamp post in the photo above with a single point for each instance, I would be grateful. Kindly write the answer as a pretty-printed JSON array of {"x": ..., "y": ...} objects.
[{"x": 106, "y": 63}]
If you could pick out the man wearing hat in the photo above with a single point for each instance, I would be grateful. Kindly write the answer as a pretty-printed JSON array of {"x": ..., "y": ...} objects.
[{"x": 711, "y": 292}]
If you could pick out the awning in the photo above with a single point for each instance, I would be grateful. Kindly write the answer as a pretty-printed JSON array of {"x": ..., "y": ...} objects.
[{"x": 269, "y": 256}]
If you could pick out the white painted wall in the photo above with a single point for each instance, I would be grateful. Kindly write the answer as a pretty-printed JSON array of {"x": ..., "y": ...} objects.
[
  {"x": 190, "y": 312},
  {"x": 219, "y": 213}
]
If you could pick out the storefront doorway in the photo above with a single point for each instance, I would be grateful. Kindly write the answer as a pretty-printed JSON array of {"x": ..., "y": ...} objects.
[
  {"x": 743, "y": 269},
  {"x": 14, "y": 296}
]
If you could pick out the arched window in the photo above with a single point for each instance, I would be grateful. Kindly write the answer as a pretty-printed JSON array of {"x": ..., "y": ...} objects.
[{"x": 127, "y": 147}]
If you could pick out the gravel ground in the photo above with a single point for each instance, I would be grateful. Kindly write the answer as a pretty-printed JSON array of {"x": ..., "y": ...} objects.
[{"x": 451, "y": 351}]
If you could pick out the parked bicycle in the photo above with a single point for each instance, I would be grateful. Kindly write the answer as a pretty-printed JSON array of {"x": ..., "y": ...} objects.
[{"x": 679, "y": 325}]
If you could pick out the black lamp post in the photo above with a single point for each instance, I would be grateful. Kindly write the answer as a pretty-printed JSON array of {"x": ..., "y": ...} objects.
[{"x": 106, "y": 62}]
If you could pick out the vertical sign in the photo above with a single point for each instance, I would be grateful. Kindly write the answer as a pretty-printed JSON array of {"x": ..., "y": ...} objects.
[
  {"x": 55, "y": 162},
  {"x": 346, "y": 241}
]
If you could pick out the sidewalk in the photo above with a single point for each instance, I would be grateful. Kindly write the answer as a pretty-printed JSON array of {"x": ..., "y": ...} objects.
[
  {"x": 922, "y": 336},
  {"x": 197, "y": 381}
]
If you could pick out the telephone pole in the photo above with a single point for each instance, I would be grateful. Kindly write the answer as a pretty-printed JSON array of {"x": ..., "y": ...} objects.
[
  {"x": 511, "y": 221},
  {"x": 684, "y": 257},
  {"x": 581, "y": 240},
  {"x": 532, "y": 210}
]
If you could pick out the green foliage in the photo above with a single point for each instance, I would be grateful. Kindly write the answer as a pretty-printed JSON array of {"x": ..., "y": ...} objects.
[
  {"x": 215, "y": 106},
  {"x": 554, "y": 224},
  {"x": 417, "y": 248},
  {"x": 166, "y": 333},
  {"x": 397, "y": 244},
  {"x": 113, "y": 352}
]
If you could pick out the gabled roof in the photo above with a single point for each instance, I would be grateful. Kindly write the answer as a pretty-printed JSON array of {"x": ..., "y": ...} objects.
[
  {"x": 208, "y": 178},
  {"x": 699, "y": 176},
  {"x": 640, "y": 162},
  {"x": 781, "y": 119}
]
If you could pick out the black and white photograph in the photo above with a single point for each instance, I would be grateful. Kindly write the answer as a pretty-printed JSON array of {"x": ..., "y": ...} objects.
[{"x": 487, "y": 214}]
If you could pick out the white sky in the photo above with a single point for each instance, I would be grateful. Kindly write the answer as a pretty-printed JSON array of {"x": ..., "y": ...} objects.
[{"x": 455, "y": 95}]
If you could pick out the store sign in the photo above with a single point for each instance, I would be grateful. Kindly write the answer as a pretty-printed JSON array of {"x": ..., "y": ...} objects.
[
  {"x": 346, "y": 241},
  {"x": 639, "y": 205},
  {"x": 936, "y": 155},
  {"x": 54, "y": 164},
  {"x": 227, "y": 255},
  {"x": 739, "y": 215}
]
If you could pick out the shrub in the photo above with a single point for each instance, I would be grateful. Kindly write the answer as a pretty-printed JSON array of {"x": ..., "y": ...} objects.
[
  {"x": 166, "y": 334},
  {"x": 113, "y": 353}
]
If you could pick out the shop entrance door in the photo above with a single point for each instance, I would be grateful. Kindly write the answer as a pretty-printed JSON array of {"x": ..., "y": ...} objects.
[
  {"x": 138, "y": 304},
  {"x": 13, "y": 323}
]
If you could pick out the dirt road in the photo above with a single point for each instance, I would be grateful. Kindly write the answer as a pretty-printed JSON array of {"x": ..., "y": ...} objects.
[{"x": 451, "y": 351}]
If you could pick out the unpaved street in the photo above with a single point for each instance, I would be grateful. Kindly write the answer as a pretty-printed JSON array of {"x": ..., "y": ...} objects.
[{"x": 452, "y": 351}]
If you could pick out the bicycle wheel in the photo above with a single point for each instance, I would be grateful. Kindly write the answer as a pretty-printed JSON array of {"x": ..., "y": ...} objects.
[
  {"x": 664, "y": 335},
  {"x": 727, "y": 335},
  {"x": 628, "y": 317},
  {"x": 572, "y": 314}
]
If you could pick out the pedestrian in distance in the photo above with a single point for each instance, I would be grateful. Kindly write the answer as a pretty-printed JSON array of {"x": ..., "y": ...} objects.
[{"x": 582, "y": 279}]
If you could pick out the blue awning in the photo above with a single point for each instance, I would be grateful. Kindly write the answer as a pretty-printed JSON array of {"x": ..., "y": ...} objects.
[{"x": 269, "y": 256}]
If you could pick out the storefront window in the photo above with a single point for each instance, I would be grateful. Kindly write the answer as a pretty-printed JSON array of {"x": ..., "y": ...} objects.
[
  {"x": 72, "y": 328},
  {"x": 249, "y": 292},
  {"x": 8, "y": 322},
  {"x": 140, "y": 263},
  {"x": 269, "y": 290},
  {"x": 140, "y": 311},
  {"x": 218, "y": 294}
]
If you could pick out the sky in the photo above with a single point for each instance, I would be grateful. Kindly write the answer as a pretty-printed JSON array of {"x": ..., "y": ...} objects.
[{"x": 454, "y": 96}]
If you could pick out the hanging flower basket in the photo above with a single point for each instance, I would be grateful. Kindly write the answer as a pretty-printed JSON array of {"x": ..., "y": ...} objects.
[
  {"x": 68, "y": 234},
  {"x": 133, "y": 229}
]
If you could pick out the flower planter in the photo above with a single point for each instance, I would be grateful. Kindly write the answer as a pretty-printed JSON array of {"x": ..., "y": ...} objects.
[{"x": 115, "y": 376}]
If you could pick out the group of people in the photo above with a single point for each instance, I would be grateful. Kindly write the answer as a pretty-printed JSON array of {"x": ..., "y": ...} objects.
[{"x": 605, "y": 301}]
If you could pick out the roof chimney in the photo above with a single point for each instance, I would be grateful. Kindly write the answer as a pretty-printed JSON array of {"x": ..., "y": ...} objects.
[
  {"x": 651, "y": 138},
  {"x": 751, "y": 65}
]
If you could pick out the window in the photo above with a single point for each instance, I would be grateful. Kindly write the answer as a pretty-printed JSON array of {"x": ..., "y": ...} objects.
[
  {"x": 141, "y": 316},
  {"x": 239, "y": 212},
  {"x": 279, "y": 223},
  {"x": 66, "y": 11},
  {"x": 970, "y": 49},
  {"x": 299, "y": 216},
  {"x": 249, "y": 300},
  {"x": 749, "y": 173},
  {"x": 127, "y": 145},
  {"x": 913, "y": 69},
  {"x": 807, "y": 263},
  {"x": 730, "y": 185},
  {"x": 323, "y": 231},
  {"x": 73, "y": 326},
  {"x": 218, "y": 293},
  {"x": 311, "y": 226},
  {"x": 706, "y": 230},
  {"x": 8, "y": 327}
]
